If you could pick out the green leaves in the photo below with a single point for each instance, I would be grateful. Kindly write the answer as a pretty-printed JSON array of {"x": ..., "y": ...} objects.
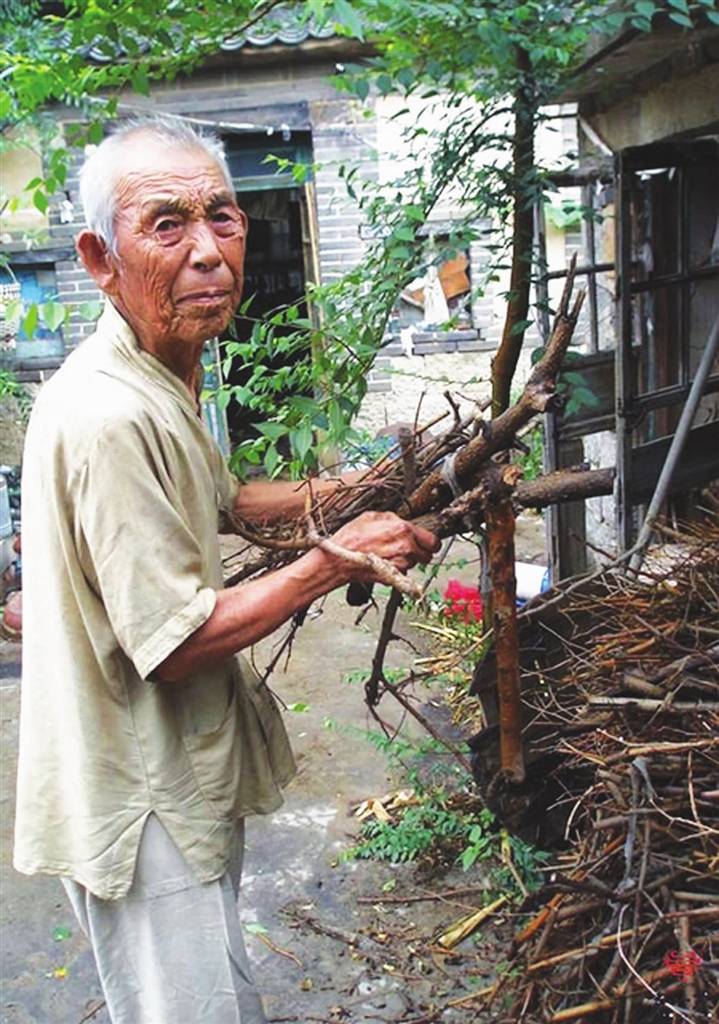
[
  {"x": 53, "y": 314},
  {"x": 348, "y": 19},
  {"x": 9, "y": 385},
  {"x": 273, "y": 462},
  {"x": 90, "y": 310},
  {"x": 274, "y": 431},
  {"x": 95, "y": 133},
  {"x": 479, "y": 846},
  {"x": 140, "y": 81},
  {"x": 434, "y": 827},
  {"x": 5, "y": 104},
  {"x": 254, "y": 928},
  {"x": 573, "y": 384},
  {"x": 300, "y": 707},
  {"x": 301, "y": 440},
  {"x": 645, "y": 8},
  {"x": 40, "y": 200},
  {"x": 415, "y": 213},
  {"x": 30, "y": 320},
  {"x": 139, "y": 41}
]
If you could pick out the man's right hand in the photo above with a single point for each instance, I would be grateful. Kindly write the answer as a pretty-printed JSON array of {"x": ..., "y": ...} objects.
[{"x": 386, "y": 535}]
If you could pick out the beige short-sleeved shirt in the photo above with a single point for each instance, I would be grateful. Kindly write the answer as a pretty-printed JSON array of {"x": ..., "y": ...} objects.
[{"x": 122, "y": 492}]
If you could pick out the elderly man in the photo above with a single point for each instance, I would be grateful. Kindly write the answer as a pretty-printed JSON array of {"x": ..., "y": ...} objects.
[{"x": 144, "y": 740}]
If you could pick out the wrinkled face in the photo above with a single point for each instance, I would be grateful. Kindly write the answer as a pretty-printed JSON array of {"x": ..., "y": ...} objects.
[{"x": 177, "y": 278}]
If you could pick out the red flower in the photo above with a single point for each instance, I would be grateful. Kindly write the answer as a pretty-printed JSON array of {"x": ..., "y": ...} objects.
[{"x": 464, "y": 602}]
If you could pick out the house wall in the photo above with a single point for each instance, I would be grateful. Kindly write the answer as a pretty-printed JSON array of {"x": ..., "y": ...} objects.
[
  {"x": 21, "y": 162},
  {"x": 243, "y": 95},
  {"x": 405, "y": 385},
  {"x": 340, "y": 136},
  {"x": 413, "y": 389},
  {"x": 671, "y": 110},
  {"x": 74, "y": 285}
]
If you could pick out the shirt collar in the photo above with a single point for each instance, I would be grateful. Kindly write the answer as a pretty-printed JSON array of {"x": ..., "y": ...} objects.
[{"x": 114, "y": 327}]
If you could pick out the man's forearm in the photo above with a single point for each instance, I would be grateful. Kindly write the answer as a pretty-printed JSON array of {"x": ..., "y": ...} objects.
[
  {"x": 270, "y": 501},
  {"x": 245, "y": 614}
]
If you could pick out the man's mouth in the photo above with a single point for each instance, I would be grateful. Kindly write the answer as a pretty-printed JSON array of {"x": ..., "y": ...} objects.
[{"x": 206, "y": 298}]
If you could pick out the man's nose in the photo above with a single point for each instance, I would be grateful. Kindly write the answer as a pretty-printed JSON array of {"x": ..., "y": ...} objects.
[{"x": 205, "y": 251}]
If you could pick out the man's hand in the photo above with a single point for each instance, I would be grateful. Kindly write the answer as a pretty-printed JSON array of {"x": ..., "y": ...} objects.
[
  {"x": 384, "y": 534},
  {"x": 246, "y": 613}
]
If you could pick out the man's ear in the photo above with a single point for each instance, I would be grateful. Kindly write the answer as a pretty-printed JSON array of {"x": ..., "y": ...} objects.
[{"x": 96, "y": 259}]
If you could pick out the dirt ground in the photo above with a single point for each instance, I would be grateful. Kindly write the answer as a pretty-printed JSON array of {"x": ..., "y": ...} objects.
[{"x": 329, "y": 939}]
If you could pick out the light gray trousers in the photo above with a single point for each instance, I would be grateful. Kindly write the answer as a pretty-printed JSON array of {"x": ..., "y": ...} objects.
[{"x": 171, "y": 951}]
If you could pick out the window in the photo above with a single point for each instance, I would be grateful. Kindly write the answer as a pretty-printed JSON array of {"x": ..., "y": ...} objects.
[{"x": 30, "y": 285}]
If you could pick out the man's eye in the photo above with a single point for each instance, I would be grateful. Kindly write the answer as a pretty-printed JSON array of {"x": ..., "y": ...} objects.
[
  {"x": 224, "y": 222},
  {"x": 166, "y": 225}
]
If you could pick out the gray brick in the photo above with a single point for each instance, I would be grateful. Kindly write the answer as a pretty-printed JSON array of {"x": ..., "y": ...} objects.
[{"x": 428, "y": 348}]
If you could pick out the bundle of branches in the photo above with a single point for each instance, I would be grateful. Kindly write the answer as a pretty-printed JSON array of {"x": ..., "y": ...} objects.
[
  {"x": 421, "y": 478},
  {"x": 625, "y": 929}
]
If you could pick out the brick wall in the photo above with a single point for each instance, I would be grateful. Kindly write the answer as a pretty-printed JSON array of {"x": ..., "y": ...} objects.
[{"x": 340, "y": 137}]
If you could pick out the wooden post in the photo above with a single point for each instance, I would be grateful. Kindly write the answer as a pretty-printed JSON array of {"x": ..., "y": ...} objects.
[{"x": 500, "y": 530}]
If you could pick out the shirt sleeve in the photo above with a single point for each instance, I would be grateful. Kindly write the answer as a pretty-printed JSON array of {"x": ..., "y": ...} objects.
[{"x": 137, "y": 545}]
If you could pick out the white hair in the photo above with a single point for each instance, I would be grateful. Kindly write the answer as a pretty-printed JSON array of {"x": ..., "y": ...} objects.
[{"x": 98, "y": 176}]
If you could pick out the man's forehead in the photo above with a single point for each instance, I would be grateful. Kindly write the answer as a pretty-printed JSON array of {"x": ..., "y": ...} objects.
[{"x": 159, "y": 174}]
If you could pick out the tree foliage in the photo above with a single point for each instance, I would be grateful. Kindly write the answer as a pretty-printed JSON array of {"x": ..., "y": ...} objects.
[
  {"x": 45, "y": 55},
  {"x": 480, "y": 57},
  {"x": 490, "y": 65}
]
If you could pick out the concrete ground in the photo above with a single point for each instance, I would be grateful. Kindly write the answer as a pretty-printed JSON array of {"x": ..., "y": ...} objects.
[{"x": 294, "y": 874}]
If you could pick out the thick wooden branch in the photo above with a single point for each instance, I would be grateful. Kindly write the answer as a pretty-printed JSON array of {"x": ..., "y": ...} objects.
[
  {"x": 564, "y": 485},
  {"x": 520, "y": 275},
  {"x": 499, "y": 516},
  {"x": 381, "y": 569},
  {"x": 500, "y": 433}
]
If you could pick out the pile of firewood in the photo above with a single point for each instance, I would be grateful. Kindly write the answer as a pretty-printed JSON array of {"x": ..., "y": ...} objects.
[{"x": 624, "y": 707}]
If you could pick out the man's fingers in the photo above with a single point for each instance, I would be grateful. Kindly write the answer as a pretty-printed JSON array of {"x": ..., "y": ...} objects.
[
  {"x": 428, "y": 541},
  {"x": 423, "y": 544},
  {"x": 386, "y": 535}
]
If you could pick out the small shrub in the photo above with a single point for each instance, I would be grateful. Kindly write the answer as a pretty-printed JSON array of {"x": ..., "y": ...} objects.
[{"x": 443, "y": 830}]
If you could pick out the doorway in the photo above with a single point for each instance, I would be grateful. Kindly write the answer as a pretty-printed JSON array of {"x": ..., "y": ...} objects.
[
  {"x": 274, "y": 277},
  {"x": 280, "y": 251}
]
